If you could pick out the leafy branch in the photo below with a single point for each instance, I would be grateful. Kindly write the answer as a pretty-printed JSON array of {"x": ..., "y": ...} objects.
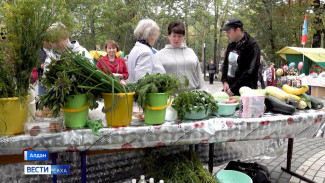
[
  {"x": 75, "y": 74},
  {"x": 158, "y": 83},
  {"x": 193, "y": 100},
  {"x": 25, "y": 22},
  {"x": 62, "y": 80}
]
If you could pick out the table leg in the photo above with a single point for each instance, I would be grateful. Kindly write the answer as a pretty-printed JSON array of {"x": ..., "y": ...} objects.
[
  {"x": 54, "y": 178},
  {"x": 289, "y": 158},
  {"x": 83, "y": 167},
  {"x": 211, "y": 153},
  {"x": 190, "y": 147},
  {"x": 196, "y": 147}
]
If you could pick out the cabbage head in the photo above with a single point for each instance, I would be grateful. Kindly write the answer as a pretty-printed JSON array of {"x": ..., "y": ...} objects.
[{"x": 221, "y": 95}]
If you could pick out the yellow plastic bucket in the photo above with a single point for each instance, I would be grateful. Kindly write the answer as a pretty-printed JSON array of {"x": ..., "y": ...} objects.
[
  {"x": 75, "y": 111},
  {"x": 13, "y": 116},
  {"x": 119, "y": 112},
  {"x": 156, "y": 109}
]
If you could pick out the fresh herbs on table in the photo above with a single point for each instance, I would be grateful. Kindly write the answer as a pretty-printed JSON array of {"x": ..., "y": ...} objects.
[
  {"x": 75, "y": 74},
  {"x": 62, "y": 80},
  {"x": 186, "y": 101},
  {"x": 101, "y": 81},
  {"x": 158, "y": 83}
]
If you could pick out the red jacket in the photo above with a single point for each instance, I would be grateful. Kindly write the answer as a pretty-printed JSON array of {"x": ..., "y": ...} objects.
[{"x": 119, "y": 66}]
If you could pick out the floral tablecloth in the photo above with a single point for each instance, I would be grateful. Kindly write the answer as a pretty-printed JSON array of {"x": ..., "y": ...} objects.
[{"x": 305, "y": 123}]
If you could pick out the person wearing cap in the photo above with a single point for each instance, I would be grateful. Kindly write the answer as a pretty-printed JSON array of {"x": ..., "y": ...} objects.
[
  {"x": 242, "y": 59},
  {"x": 270, "y": 75}
]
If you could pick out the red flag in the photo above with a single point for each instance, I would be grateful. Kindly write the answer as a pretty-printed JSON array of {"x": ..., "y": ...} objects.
[{"x": 304, "y": 32}]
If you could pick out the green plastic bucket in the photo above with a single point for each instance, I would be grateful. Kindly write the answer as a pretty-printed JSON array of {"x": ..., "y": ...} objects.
[
  {"x": 156, "y": 110},
  {"x": 75, "y": 112},
  {"x": 231, "y": 176}
]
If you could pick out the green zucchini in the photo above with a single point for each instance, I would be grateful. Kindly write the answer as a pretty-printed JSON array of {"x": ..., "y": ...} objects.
[
  {"x": 316, "y": 103},
  {"x": 291, "y": 101},
  {"x": 276, "y": 105},
  {"x": 306, "y": 98}
]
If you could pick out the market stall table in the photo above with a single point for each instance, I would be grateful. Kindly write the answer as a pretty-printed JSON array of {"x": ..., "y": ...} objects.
[
  {"x": 304, "y": 123},
  {"x": 317, "y": 85}
]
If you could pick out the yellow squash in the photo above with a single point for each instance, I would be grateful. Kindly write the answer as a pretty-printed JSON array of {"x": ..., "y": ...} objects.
[
  {"x": 277, "y": 92},
  {"x": 297, "y": 98},
  {"x": 294, "y": 90}
]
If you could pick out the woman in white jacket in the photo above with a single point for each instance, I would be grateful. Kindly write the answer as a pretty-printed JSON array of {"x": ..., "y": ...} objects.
[
  {"x": 141, "y": 59},
  {"x": 178, "y": 59}
]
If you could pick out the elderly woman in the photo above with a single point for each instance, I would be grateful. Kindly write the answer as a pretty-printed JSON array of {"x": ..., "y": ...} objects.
[
  {"x": 115, "y": 64},
  {"x": 178, "y": 59},
  {"x": 141, "y": 59},
  {"x": 55, "y": 42}
]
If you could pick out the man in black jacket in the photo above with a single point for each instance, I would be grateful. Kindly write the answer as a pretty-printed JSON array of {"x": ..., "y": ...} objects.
[{"x": 242, "y": 59}]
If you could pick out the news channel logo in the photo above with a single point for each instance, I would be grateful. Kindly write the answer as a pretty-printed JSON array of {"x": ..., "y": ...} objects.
[
  {"x": 43, "y": 169},
  {"x": 36, "y": 155},
  {"x": 46, "y": 169}
]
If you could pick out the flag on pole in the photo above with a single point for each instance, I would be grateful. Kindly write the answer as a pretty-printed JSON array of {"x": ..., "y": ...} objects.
[{"x": 304, "y": 32}]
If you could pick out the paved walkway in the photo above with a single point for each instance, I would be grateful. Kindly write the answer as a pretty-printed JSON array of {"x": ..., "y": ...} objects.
[{"x": 308, "y": 157}]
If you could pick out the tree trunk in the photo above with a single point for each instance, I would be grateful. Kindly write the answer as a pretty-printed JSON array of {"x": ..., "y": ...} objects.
[
  {"x": 323, "y": 38},
  {"x": 269, "y": 9},
  {"x": 125, "y": 37},
  {"x": 219, "y": 45},
  {"x": 158, "y": 44},
  {"x": 216, "y": 8},
  {"x": 204, "y": 27},
  {"x": 226, "y": 7},
  {"x": 318, "y": 24},
  {"x": 186, "y": 23},
  {"x": 93, "y": 32},
  {"x": 324, "y": 28}
]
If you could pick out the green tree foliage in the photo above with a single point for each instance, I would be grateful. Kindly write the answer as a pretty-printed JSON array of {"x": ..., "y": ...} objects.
[
  {"x": 26, "y": 22},
  {"x": 274, "y": 23}
]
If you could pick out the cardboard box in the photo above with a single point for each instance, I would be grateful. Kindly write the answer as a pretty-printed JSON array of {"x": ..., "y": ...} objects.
[{"x": 318, "y": 91}]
